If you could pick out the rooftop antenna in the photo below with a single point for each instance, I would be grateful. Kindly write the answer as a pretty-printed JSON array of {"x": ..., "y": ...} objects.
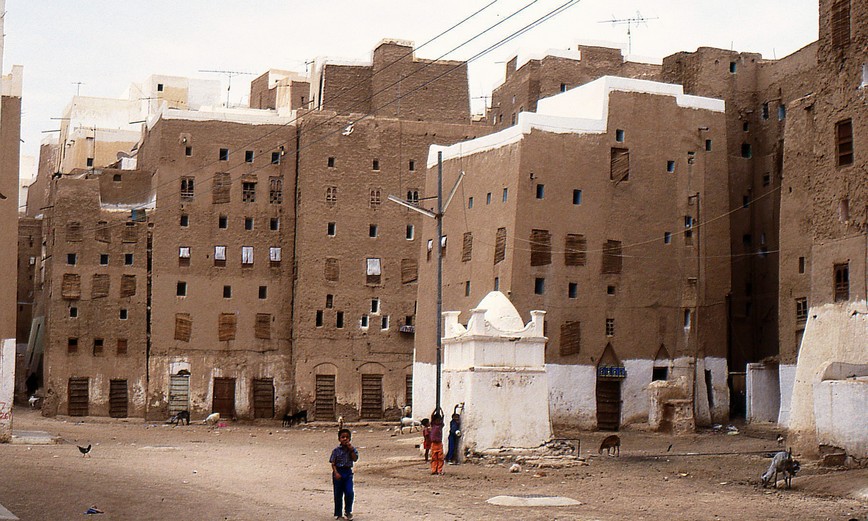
[
  {"x": 78, "y": 85},
  {"x": 629, "y": 22},
  {"x": 229, "y": 75}
]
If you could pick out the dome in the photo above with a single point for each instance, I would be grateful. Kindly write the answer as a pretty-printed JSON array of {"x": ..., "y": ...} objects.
[{"x": 500, "y": 312}]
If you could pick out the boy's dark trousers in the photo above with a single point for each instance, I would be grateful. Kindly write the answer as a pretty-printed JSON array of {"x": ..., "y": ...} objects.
[{"x": 343, "y": 490}]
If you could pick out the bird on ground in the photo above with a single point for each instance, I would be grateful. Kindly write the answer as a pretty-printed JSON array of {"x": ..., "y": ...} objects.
[{"x": 85, "y": 451}]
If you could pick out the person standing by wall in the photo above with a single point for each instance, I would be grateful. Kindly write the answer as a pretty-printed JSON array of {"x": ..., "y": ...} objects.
[{"x": 454, "y": 437}]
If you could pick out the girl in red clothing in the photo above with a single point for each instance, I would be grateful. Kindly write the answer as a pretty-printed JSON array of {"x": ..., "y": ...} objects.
[
  {"x": 426, "y": 443},
  {"x": 436, "y": 438}
]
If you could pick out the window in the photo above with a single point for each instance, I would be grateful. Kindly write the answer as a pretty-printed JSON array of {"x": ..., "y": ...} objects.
[
  {"x": 619, "y": 166},
  {"x": 539, "y": 285},
  {"x": 670, "y": 166},
  {"x": 610, "y": 327},
  {"x": 274, "y": 256},
  {"x": 469, "y": 203},
  {"x": 540, "y": 247},
  {"x": 688, "y": 227},
  {"x": 659, "y": 373},
  {"x": 319, "y": 318},
  {"x": 71, "y": 259},
  {"x": 708, "y": 145},
  {"x": 121, "y": 348},
  {"x": 185, "y": 220},
  {"x": 571, "y": 336},
  {"x": 184, "y": 256},
  {"x": 181, "y": 289},
  {"x": 248, "y": 191},
  {"x": 375, "y": 198},
  {"x": 71, "y": 286},
  {"x": 767, "y": 179},
  {"x": 103, "y": 259},
  {"x": 840, "y": 24},
  {"x": 330, "y": 301},
  {"x": 443, "y": 246},
  {"x": 466, "y": 288},
  {"x": 263, "y": 292},
  {"x": 72, "y": 345},
  {"x": 413, "y": 196},
  {"x": 732, "y": 67},
  {"x": 73, "y": 312},
  {"x": 488, "y": 198},
  {"x": 223, "y": 155},
  {"x": 248, "y": 156},
  {"x": 375, "y": 306},
  {"x": 801, "y": 264},
  {"x": 331, "y": 195},
  {"x": 331, "y": 162},
  {"x": 842, "y": 282},
  {"x": 274, "y": 224},
  {"x": 128, "y": 259},
  {"x": 98, "y": 344},
  {"x": 186, "y": 188},
  {"x": 500, "y": 245},
  {"x": 412, "y": 166},
  {"x": 372, "y": 271},
  {"x": 496, "y": 283},
  {"x": 128, "y": 286},
  {"x": 227, "y": 291},
  {"x": 782, "y": 112},
  {"x": 384, "y": 322},
  {"x": 765, "y": 110},
  {"x": 159, "y": 87},
  {"x": 688, "y": 315},
  {"x": 844, "y": 143},
  {"x": 801, "y": 309},
  {"x": 577, "y": 197},
  {"x": 219, "y": 255},
  {"x": 275, "y": 158},
  {"x": 573, "y": 290},
  {"x": 363, "y": 322},
  {"x": 746, "y": 151},
  {"x": 247, "y": 255},
  {"x": 248, "y": 223},
  {"x": 123, "y": 314},
  {"x": 467, "y": 247},
  {"x": 331, "y": 229},
  {"x": 222, "y": 222},
  {"x": 90, "y": 161},
  {"x": 188, "y": 151},
  {"x": 410, "y": 232},
  {"x": 745, "y": 126},
  {"x": 275, "y": 190},
  {"x": 375, "y": 164},
  {"x": 540, "y": 191},
  {"x": 222, "y": 188},
  {"x": 505, "y": 195},
  {"x": 339, "y": 320},
  {"x": 563, "y": 87},
  {"x": 745, "y": 201},
  {"x": 372, "y": 230},
  {"x": 612, "y": 257},
  {"x": 619, "y": 135},
  {"x": 183, "y": 327}
]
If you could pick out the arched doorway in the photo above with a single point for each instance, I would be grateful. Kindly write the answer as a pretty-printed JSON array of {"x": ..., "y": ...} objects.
[{"x": 610, "y": 372}]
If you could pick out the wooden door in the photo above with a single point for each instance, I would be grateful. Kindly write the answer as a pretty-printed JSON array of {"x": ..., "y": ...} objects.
[
  {"x": 608, "y": 404},
  {"x": 325, "y": 397},
  {"x": 372, "y": 396},
  {"x": 179, "y": 393},
  {"x": 263, "y": 398},
  {"x": 118, "y": 398},
  {"x": 224, "y": 397},
  {"x": 78, "y": 397}
]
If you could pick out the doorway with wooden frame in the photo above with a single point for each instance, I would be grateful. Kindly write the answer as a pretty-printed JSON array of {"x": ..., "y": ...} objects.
[{"x": 608, "y": 390}]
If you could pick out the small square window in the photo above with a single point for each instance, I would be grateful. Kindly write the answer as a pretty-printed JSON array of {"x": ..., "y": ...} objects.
[
  {"x": 577, "y": 197},
  {"x": 469, "y": 202},
  {"x": 159, "y": 87},
  {"x": 331, "y": 229},
  {"x": 610, "y": 327},
  {"x": 375, "y": 164},
  {"x": 319, "y": 318},
  {"x": 733, "y": 66},
  {"x": 90, "y": 161},
  {"x": 708, "y": 145},
  {"x": 801, "y": 264},
  {"x": 411, "y": 232},
  {"x": 573, "y": 290},
  {"x": 219, "y": 255},
  {"x": 688, "y": 316},
  {"x": 71, "y": 258},
  {"x": 782, "y": 112},
  {"x": 610, "y": 290},
  {"x": 375, "y": 306},
  {"x": 181, "y": 289},
  {"x": 372, "y": 230},
  {"x": 539, "y": 285},
  {"x": 185, "y": 220},
  {"x": 467, "y": 288},
  {"x": 275, "y": 158},
  {"x": 765, "y": 111},
  {"x": 667, "y": 237},
  {"x": 184, "y": 252},
  {"x": 505, "y": 194},
  {"x": 73, "y": 312},
  {"x": 98, "y": 344},
  {"x": 71, "y": 345},
  {"x": 223, "y": 222},
  {"x": 745, "y": 127},
  {"x": 128, "y": 259},
  {"x": 263, "y": 292},
  {"x": 123, "y": 314},
  {"x": 496, "y": 283},
  {"x": 330, "y": 301},
  {"x": 540, "y": 190},
  {"x": 227, "y": 291},
  {"x": 248, "y": 156},
  {"x": 247, "y": 255},
  {"x": 619, "y": 135},
  {"x": 563, "y": 87},
  {"x": 670, "y": 166},
  {"x": 339, "y": 320},
  {"x": 103, "y": 259},
  {"x": 274, "y": 224},
  {"x": 248, "y": 223},
  {"x": 188, "y": 151},
  {"x": 412, "y": 166},
  {"x": 248, "y": 192},
  {"x": 363, "y": 322},
  {"x": 274, "y": 256},
  {"x": 384, "y": 322},
  {"x": 488, "y": 198},
  {"x": 331, "y": 162},
  {"x": 746, "y": 150},
  {"x": 223, "y": 155}
]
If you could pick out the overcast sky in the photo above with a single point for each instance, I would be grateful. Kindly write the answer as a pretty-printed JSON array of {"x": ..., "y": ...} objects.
[{"x": 108, "y": 44}]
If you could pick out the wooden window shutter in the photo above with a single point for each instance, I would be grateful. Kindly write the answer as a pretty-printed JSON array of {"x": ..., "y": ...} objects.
[
  {"x": 128, "y": 285},
  {"x": 332, "y": 269},
  {"x": 130, "y": 233},
  {"x": 100, "y": 286},
  {"x": 844, "y": 142},
  {"x": 226, "y": 326},
  {"x": 540, "y": 247},
  {"x": 73, "y": 231},
  {"x": 571, "y": 336},
  {"x": 467, "y": 248},
  {"x": 612, "y": 257},
  {"x": 840, "y": 24},
  {"x": 575, "y": 250},
  {"x": 71, "y": 287},
  {"x": 222, "y": 184},
  {"x": 409, "y": 271},
  {"x": 620, "y": 166},
  {"x": 183, "y": 327},
  {"x": 500, "y": 245},
  {"x": 103, "y": 232},
  {"x": 263, "y": 326}
]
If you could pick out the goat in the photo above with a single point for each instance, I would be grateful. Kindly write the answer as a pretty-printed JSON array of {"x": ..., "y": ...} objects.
[
  {"x": 411, "y": 423},
  {"x": 782, "y": 462},
  {"x": 291, "y": 419},
  {"x": 610, "y": 443},
  {"x": 212, "y": 418}
]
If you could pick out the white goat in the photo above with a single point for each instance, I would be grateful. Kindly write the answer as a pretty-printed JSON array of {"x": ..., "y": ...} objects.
[
  {"x": 212, "y": 418},
  {"x": 411, "y": 423}
]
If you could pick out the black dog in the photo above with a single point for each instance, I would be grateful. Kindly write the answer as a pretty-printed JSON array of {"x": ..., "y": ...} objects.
[
  {"x": 180, "y": 418},
  {"x": 291, "y": 419}
]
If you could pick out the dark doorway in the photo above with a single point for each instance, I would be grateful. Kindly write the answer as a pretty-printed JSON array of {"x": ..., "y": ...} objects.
[
  {"x": 263, "y": 398},
  {"x": 325, "y": 397},
  {"x": 224, "y": 397},
  {"x": 608, "y": 404},
  {"x": 118, "y": 399},
  {"x": 78, "y": 397}
]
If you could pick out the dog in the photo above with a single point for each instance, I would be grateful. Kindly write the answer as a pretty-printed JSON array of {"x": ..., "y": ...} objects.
[
  {"x": 212, "y": 418},
  {"x": 782, "y": 463},
  {"x": 610, "y": 443},
  {"x": 291, "y": 419},
  {"x": 180, "y": 418},
  {"x": 411, "y": 423}
]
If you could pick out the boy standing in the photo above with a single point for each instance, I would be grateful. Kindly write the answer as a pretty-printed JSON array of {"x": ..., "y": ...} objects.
[{"x": 342, "y": 460}]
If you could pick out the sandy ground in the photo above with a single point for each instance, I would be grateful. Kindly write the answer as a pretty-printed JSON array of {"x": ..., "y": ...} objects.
[{"x": 145, "y": 471}]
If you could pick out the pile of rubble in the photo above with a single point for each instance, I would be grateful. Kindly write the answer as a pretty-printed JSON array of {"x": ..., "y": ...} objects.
[{"x": 559, "y": 453}]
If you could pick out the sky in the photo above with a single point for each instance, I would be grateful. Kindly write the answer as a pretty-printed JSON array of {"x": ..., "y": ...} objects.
[{"x": 108, "y": 44}]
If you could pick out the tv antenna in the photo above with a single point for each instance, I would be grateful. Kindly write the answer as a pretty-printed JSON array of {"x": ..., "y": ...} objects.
[
  {"x": 229, "y": 75},
  {"x": 629, "y": 22},
  {"x": 78, "y": 85}
]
